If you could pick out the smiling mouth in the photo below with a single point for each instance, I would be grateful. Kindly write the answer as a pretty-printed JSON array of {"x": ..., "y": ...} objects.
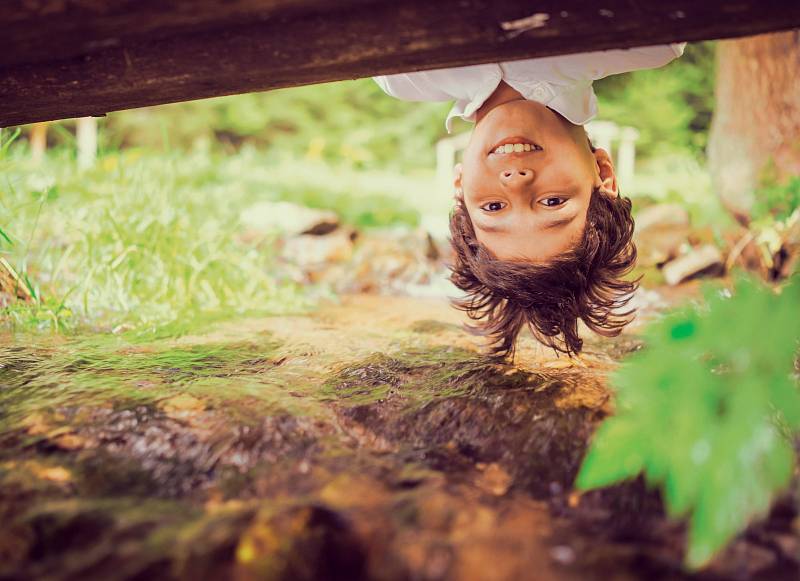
[{"x": 514, "y": 145}]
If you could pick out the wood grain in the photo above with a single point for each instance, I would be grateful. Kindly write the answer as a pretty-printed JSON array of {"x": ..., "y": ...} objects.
[{"x": 71, "y": 58}]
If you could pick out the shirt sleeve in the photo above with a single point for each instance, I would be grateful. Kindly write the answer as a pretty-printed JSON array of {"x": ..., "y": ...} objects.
[
  {"x": 614, "y": 62},
  {"x": 412, "y": 87}
]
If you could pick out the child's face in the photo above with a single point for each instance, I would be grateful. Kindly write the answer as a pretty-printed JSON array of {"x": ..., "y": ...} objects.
[{"x": 530, "y": 205}]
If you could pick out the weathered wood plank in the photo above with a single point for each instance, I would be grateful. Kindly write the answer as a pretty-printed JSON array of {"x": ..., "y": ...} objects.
[
  {"x": 75, "y": 28},
  {"x": 87, "y": 57}
]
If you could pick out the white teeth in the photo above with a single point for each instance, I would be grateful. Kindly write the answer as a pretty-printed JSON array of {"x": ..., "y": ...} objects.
[{"x": 514, "y": 148}]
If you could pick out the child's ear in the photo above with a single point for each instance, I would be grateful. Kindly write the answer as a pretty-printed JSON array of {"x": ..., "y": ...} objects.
[
  {"x": 457, "y": 172},
  {"x": 608, "y": 179}
]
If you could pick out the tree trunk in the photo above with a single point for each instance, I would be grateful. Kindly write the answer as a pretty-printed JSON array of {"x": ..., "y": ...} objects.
[{"x": 755, "y": 133}]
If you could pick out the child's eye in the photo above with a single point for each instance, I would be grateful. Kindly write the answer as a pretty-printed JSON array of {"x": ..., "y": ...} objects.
[
  {"x": 493, "y": 206},
  {"x": 553, "y": 201}
]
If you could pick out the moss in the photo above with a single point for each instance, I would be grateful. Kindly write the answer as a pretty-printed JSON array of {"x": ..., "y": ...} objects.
[
  {"x": 432, "y": 327},
  {"x": 113, "y": 538},
  {"x": 111, "y": 371},
  {"x": 418, "y": 375}
]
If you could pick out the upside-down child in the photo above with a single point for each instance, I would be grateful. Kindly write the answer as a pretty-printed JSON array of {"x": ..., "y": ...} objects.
[{"x": 541, "y": 235}]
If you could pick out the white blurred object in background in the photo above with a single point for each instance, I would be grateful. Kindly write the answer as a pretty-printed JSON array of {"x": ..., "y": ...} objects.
[{"x": 86, "y": 136}]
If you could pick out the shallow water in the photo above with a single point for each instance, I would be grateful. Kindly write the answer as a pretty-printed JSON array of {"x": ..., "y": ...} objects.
[{"x": 367, "y": 440}]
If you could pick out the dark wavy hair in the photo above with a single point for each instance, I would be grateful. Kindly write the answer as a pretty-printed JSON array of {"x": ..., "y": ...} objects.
[{"x": 586, "y": 284}]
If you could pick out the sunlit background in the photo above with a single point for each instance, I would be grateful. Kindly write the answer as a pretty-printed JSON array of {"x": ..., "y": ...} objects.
[{"x": 168, "y": 222}]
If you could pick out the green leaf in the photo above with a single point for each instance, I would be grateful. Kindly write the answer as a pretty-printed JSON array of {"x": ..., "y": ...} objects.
[
  {"x": 737, "y": 491},
  {"x": 785, "y": 395},
  {"x": 612, "y": 457},
  {"x": 696, "y": 412}
]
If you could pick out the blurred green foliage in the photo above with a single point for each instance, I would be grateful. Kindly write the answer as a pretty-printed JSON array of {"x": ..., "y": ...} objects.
[
  {"x": 706, "y": 412},
  {"x": 671, "y": 106},
  {"x": 350, "y": 122},
  {"x": 777, "y": 200},
  {"x": 361, "y": 197}
]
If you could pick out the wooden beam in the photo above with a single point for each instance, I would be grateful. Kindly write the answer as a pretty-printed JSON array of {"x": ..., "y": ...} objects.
[{"x": 74, "y": 58}]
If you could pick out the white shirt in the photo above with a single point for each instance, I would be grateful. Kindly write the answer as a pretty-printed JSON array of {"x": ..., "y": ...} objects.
[{"x": 562, "y": 83}]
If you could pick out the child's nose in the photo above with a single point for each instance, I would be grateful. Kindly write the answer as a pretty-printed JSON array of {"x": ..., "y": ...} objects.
[{"x": 516, "y": 177}]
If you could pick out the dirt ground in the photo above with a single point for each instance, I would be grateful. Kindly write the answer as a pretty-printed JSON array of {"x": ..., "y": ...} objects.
[{"x": 367, "y": 440}]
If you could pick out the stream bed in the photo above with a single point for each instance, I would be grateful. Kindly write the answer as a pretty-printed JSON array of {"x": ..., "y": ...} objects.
[{"x": 367, "y": 440}]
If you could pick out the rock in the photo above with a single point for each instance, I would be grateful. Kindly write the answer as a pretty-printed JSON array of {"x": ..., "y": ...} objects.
[
  {"x": 56, "y": 474},
  {"x": 397, "y": 261},
  {"x": 660, "y": 232},
  {"x": 37, "y": 423},
  {"x": 493, "y": 478},
  {"x": 300, "y": 542},
  {"x": 660, "y": 216},
  {"x": 659, "y": 245},
  {"x": 645, "y": 301},
  {"x": 706, "y": 259},
  {"x": 312, "y": 252},
  {"x": 287, "y": 218},
  {"x": 69, "y": 441},
  {"x": 563, "y": 554},
  {"x": 745, "y": 560},
  {"x": 182, "y": 404}
]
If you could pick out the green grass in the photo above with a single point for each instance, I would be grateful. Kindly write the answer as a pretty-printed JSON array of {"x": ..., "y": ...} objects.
[
  {"x": 362, "y": 198},
  {"x": 153, "y": 240}
]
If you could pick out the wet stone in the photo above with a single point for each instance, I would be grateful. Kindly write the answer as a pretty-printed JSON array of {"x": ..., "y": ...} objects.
[
  {"x": 704, "y": 260},
  {"x": 478, "y": 410},
  {"x": 306, "y": 543}
]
